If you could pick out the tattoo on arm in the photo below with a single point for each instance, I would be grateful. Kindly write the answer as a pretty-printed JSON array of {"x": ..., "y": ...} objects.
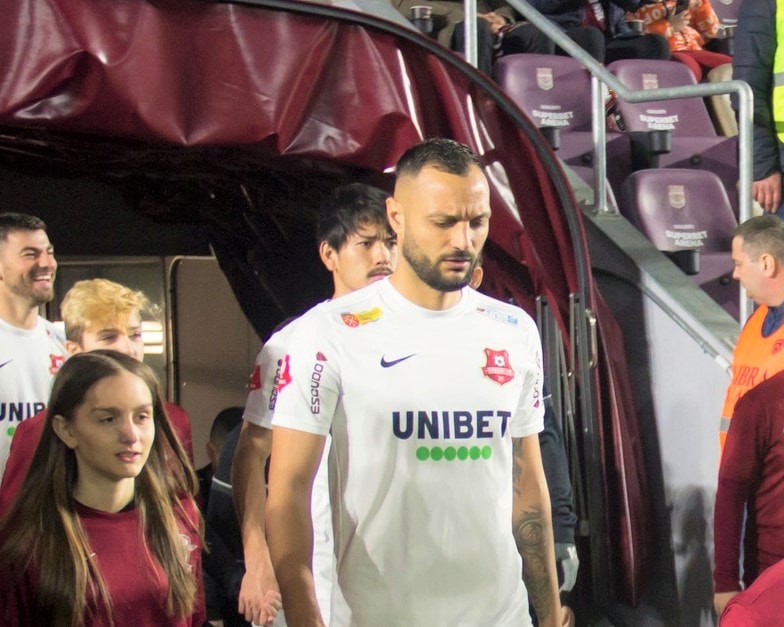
[{"x": 530, "y": 536}]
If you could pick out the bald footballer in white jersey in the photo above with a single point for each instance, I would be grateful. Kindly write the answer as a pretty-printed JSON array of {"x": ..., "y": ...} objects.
[{"x": 432, "y": 395}]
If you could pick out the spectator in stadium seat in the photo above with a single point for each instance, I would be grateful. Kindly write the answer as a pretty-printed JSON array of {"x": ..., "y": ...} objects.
[
  {"x": 687, "y": 31},
  {"x": 31, "y": 349},
  {"x": 97, "y": 313},
  {"x": 358, "y": 247},
  {"x": 599, "y": 27},
  {"x": 495, "y": 17},
  {"x": 105, "y": 530},
  {"x": 447, "y": 13}
]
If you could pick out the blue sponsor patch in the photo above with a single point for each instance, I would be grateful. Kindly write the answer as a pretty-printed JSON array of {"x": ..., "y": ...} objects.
[{"x": 500, "y": 316}]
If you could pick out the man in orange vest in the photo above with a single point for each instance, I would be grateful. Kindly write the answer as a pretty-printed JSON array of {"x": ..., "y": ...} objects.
[{"x": 758, "y": 255}]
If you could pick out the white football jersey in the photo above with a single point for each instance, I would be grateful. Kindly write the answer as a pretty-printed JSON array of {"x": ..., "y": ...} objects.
[
  {"x": 259, "y": 409},
  {"x": 29, "y": 359},
  {"x": 422, "y": 406}
]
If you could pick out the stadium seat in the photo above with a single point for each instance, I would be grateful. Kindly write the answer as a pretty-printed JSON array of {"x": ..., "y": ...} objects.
[
  {"x": 689, "y": 137},
  {"x": 727, "y": 12},
  {"x": 686, "y": 214},
  {"x": 555, "y": 92}
]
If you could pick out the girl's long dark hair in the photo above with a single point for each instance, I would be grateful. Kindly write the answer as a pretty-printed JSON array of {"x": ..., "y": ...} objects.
[{"x": 42, "y": 530}]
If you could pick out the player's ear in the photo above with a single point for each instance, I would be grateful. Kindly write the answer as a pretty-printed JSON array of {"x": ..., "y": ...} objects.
[
  {"x": 328, "y": 256},
  {"x": 395, "y": 215}
]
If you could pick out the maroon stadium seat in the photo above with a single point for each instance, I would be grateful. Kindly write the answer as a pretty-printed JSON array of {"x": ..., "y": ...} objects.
[
  {"x": 695, "y": 144},
  {"x": 555, "y": 92},
  {"x": 686, "y": 214}
]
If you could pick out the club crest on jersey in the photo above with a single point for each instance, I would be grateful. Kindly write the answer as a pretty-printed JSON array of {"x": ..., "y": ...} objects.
[
  {"x": 362, "y": 317},
  {"x": 285, "y": 374},
  {"x": 55, "y": 362},
  {"x": 498, "y": 368}
]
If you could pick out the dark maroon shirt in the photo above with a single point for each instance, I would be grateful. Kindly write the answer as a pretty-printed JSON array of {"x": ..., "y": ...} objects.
[
  {"x": 760, "y": 604},
  {"x": 751, "y": 477}
]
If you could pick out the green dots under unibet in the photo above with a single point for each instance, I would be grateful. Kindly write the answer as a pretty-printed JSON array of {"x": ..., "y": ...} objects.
[
  {"x": 10, "y": 431},
  {"x": 450, "y": 453}
]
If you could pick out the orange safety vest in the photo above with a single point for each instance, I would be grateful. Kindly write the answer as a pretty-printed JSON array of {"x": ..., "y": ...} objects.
[{"x": 754, "y": 359}]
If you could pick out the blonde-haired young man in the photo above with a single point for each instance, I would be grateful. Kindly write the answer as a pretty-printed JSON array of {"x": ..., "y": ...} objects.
[{"x": 97, "y": 313}]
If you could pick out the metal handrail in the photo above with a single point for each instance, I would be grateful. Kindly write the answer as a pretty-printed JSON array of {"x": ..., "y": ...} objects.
[{"x": 601, "y": 76}]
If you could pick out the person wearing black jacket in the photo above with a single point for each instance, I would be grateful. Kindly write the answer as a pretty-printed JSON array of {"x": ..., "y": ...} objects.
[
  {"x": 600, "y": 28},
  {"x": 753, "y": 62}
]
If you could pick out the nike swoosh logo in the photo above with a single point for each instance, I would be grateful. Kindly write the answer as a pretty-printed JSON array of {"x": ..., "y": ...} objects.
[
  {"x": 6, "y": 363},
  {"x": 393, "y": 362}
]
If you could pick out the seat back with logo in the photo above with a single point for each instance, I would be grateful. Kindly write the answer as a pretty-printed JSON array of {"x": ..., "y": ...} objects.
[
  {"x": 555, "y": 91},
  {"x": 684, "y": 117},
  {"x": 687, "y": 210},
  {"x": 727, "y": 11},
  {"x": 695, "y": 144}
]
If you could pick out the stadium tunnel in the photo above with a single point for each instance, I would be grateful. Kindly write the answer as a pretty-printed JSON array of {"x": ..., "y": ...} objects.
[{"x": 176, "y": 127}]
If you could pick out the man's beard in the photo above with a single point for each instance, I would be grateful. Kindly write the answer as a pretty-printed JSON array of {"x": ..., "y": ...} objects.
[
  {"x": 429, "y": 272},
  {"x": 27, "y": 289}
]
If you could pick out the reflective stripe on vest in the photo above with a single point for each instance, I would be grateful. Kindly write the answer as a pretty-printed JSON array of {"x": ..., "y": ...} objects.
[{"x": 778, "y": 73}]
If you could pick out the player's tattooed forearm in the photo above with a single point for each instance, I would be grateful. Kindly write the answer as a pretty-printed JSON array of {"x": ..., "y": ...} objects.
[{"x": 530, "y": 534}]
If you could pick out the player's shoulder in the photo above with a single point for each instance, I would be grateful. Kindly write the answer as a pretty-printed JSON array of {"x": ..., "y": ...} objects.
[
  {"x": 52, "y": 330},
  {"x": 282, "y": 333},
  {"x": 355, "y": 309},
  {"x": 499, "y": 312}
]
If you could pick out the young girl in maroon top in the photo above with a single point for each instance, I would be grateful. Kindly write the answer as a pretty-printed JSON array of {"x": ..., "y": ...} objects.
[{"x": 105, "y": 530}]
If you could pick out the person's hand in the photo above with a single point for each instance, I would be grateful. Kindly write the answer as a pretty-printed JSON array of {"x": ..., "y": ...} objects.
[
  {"x": 720, "y": 600},
  {"x": 767, "y": 192},
  {"x": 566, "y": 556},
  {"x": 259, "y": 599},
  {"x": 497, "y": 22},
  {"x": 679, "y": 21}
]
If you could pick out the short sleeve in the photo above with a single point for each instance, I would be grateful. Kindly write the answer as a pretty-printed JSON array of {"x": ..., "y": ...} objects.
[
  {"x": 529, "y": 416},
  {"x": 309, "y": 383},
  {"x": 262, "y": 395}
]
